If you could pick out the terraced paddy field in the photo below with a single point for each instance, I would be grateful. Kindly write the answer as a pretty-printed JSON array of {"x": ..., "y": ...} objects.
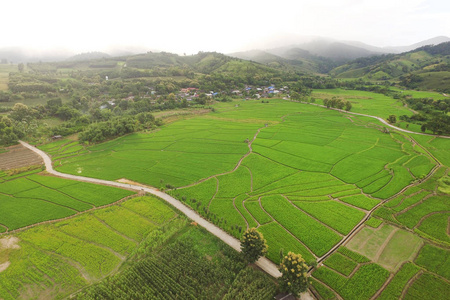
[
  {"x": 58, "y": 259},
  {"x": 306, "y": 177}
]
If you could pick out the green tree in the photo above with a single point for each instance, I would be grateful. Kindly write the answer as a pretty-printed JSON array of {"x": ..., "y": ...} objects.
[
  {"x": 294, "y": 274},
  {"x": 20, "y": 67},
  {"x": 348, "y": 106},
  {"x": 295, "y": 96},
  {"x": 253, "y": 245},
  {"x": 392, "y": 119}
]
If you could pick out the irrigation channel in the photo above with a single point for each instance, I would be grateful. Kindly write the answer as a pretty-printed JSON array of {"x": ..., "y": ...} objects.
[{"x": 268, "y": 266}]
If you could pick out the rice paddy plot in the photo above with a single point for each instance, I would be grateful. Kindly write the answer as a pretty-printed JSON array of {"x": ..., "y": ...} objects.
[
  {"x": 234, "y": 184},
  {"x": 395, "y": 288},
  {"x": 265, "y": 171},
  {"x": 434, "y": 259},
  {"x": 439, "y": 147},
  {"x": 201, "y": 193},
  {"x": 338, "y": 216},
  {"x": 279, "y": 239},
  {"x": 240, "y": 206},
  {"x": 427, "y": 285},
  {"x": 361, "y": 201},
  {"x": 21, "y": 212},
  {"x": 180, "y": 153},
  {"x": 412, "y": 216},
  {"x": 46, "y": 194},
  {"x": 341, "y": 263},
  {"x": 363, "y": 284},
  {"x": 257, "y": 212},
  {"x": 97, "y": 262},
  {"x": 316, "y": 236},
  {"x": 226, "y": 213},
  {"x": 435, "y": 227}
]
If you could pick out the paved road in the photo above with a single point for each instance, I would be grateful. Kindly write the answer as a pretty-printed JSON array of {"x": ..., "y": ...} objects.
[{"x": 265, "y": 264}]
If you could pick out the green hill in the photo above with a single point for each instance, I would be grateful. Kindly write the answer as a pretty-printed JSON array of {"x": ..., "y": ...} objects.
[{"x": 426, "y": 68}]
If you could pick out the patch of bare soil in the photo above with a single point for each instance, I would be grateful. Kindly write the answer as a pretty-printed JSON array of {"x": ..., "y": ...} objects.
[
  {"x": 18, "y": 157},
  {"x": 6, "y": 244}
]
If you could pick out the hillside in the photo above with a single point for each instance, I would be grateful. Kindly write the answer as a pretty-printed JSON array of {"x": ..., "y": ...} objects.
[{"x": 427, "y": 67}]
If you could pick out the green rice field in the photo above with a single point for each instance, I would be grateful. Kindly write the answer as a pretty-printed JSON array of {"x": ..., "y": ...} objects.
[
  {"x": 26, "y": 200},
  {"x": 304, "y": 176}
]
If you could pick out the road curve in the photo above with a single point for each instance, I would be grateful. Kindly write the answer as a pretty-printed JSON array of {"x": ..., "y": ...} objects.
[
  {"x": 379, "y": 119},
  {"x": 265, "y": 264}
]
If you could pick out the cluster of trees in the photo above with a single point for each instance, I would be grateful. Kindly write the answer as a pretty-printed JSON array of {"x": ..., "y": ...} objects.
[
  {"x": 438, "y": 124},
  {"x": 433, "y": 114},
  {"x": 293, "y": 267},
  {"x": 9, "y": 134},
  {"x": 118, "y": 126},
  {"x": 429, "y": 105},
  {"x": 338, "y": 103}
]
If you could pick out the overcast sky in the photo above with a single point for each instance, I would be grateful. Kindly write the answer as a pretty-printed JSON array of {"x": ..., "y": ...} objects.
[{"x": 223, "y": 26}]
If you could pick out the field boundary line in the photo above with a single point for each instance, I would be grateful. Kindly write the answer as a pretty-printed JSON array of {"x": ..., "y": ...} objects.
[
  {"x": 234, "y": 205},
  {"x": 381, "y": 289},
  {"x": 409, "y": 283},
  {"x": 217, "y": 190},
  {"x": 251, "y": 215}
]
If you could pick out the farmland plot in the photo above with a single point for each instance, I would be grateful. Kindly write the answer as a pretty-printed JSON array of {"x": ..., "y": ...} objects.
[{"x": 35, "y": 198}]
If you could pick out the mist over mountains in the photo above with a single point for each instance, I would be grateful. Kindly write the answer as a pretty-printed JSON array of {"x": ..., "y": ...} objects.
[{"x": 305, "y": 52}]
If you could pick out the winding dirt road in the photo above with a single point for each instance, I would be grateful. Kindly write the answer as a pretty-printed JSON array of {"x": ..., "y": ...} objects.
[{"x": 265, "y": 264}]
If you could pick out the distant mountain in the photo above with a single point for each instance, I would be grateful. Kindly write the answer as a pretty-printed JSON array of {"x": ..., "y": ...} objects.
[
  {"x": 88, "y": 56},
  {"x": 23, "y": 55},
  {"x": 278, "y": 62},
  {"x": 433, "y": 41}
]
